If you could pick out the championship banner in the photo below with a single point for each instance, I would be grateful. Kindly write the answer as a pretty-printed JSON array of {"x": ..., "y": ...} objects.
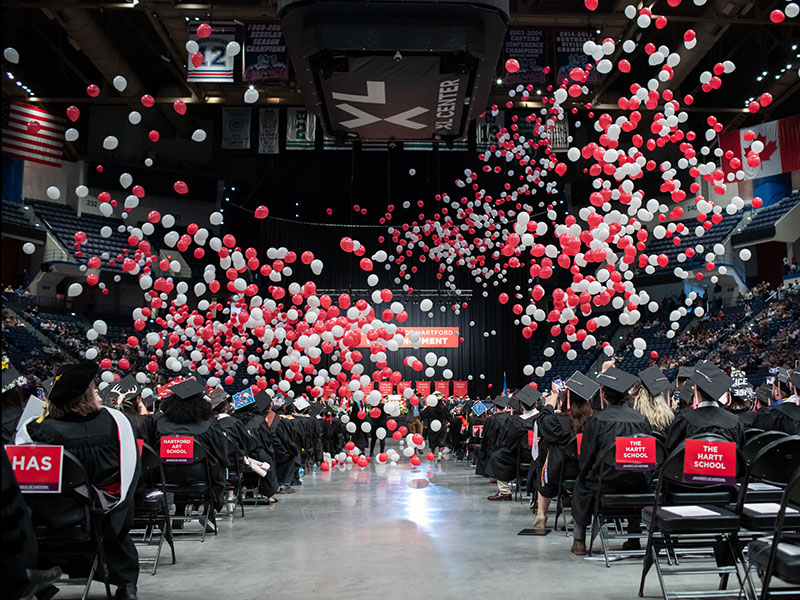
[
  {"x": 301, "y": 128},
  {"x": 386, "y": 388},
  {"x": 177, "y": 449},
  {"x": 423, "y": 389},
  {"x": 636, "y": 453},
  {"x": 402, "y": 387},
  {"x": 37, "y": 468},
  {"x": 569, "y": 54},
  {"x": 235, "y": 128},
  {"x": 429, "y": 337},
  {"x": 709, "y": 462},
  {"x": 526, "y": 46},
  {"x": 268, "y": 131},
  {"x": 443, "y": 387},
  {"x": 781, "y": 153},
  {"x": 264, "y": 57},
  {"x": 217, "y": 66},
  {"x": 460, "y": 388}
]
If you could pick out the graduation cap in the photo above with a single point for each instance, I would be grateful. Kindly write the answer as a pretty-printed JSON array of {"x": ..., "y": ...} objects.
[
  {"x": 582, "y": 387},
  {"x": 243, "y": 398},
  {"x": 654, "y": 380},
  {"x": 301, "y": 403},
  {"x": 685, "y": 372},
  {"x": 764, "y": 394},
  {"x": 686, "y": 392},
  {"x": 47, "y": 385},
  {"x": 216, "y": 397},
  {"x": 188, "y": 388},
  {"x": 528, "y": 396},
  {"x": 479, "y": 408},
  {"x": 794, "y": 378},
  {"x": 500, "y": 401},
  {"x": 514, "y": 404},
  {"x": 71, "y": 382},
  {"x": 616, "y": 379},
  {"x": 11, "y": 377},
  {"x": 783, "y": 374},
  {"x": 278, "y": 402},
  {"x": 263, "y": 401},
  {"x": 712, "y": 380},
  {"x": 123, "y": 392}
]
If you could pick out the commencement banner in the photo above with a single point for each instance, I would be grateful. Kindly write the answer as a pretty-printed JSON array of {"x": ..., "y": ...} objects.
[{"x": 429, "y": 337}]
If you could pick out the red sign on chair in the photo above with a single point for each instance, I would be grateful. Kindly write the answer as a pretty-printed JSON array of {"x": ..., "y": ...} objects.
[
  {"x": 37, "y": 468},
  {"x": 709, "y": 462},
  {"x": 177, "y": 449},
  {"x": 477, "y": 431},
  {"x": 636, "y": 453}
]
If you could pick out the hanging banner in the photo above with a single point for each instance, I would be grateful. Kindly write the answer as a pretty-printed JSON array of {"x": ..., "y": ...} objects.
[
  {"x": 268, "y": 131},
  {"x": 429, "y": 337},
  {"x": 402, "y": 387},
  {"x": 423, "y": 389},
  {"x": 569, "y": 54},
  {"x": 443, "y": 387},
  {"x": 709, "y": 462},
  {"x": 265, "y": 58},
  {"x": 636, "y": 453},
  {"x": 301, "y": 127},
  {"x": 235, "y": 128},
  {"x": 37, "y": 468},
  {"x": 386, "y": 388},
  {"x": 527, "y": 47},
  {"x": 460, "y": 388},
  {"x": 781, "y": 153},
  {"x": 486, "y": 129},
  {"x": 217, "y": 66},
  {"x": 368, "y": 388}
]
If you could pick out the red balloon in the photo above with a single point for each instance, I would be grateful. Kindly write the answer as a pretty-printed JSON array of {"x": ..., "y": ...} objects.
[
  {"x": 73, "y": 113},
  {"x": 417, "y": 439},
  {"x": 197, "y": 59},
  {"x": 590, "y": 4},
  {"x": 147, "y": 101},
  {"x": 179, "y": 107},
  {"x": 203, "y": 30},
  {"x": 391, "y": 424},
  {"x": 34, "y": 127},
  {"x": 325, "y": 466},
  {"x": 93, "y": 90},
  {"x": 415, "y": 460},
  {"x": 512, "y": 65},
  {"x": 261, "y": 212},
  {"x": 181, "y": 187},
  {"x": 154, "y": 135},
  {"x": 430, "y": 456}
]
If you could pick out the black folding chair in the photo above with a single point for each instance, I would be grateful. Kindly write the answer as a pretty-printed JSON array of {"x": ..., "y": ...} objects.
[
  {"x": 67, "y": 527},
  {"x": 780, "y": 556},
  {"x": 565, "y": 486},
  {"x": 235, "y": 483},
  {"x": 610, "y": 508},
  {"x": 699, "y": 524},
  {"x": 754, "y": 445},
  {"x": 524, "y": 460},
  {"x": 153, "y": 511},
  {"x": 190, "y": 483},
  {"x": 752, "y": 432}
]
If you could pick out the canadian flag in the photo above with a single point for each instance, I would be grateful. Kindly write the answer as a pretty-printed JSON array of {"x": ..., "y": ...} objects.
[{"x": 781, "y": 153}]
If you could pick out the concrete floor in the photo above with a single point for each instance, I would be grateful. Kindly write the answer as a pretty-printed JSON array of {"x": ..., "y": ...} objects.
[{"x": 386, "y": 533}]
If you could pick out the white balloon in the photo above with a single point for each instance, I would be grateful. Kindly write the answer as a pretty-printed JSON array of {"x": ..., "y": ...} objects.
[
  {"x": 100, "y": 326},
  {"x": 251, "y": 96},
  {"x": 148, "y": 162},
  {"x": 53, "y": 193},
  {"x": 380, "y": 433},
  {"x": 110, "y": 143},
  {"x": 745, "y": 254},
  {"x": 366, "y": 427},
  {"x": 91, "y": 353},
  {"x": 215, "y": 218},
  {"x": 351, "y": 427},
  {"x": 192, "y": 46},
  {"x": 232, "y": 49},
  {"x": 11, "y": 55},
  {"x": 81, "y": 191},
  {"x": 74, "y": 289},
  {"x": 28, "y": 248},
  {"x": 106, "y": 209},
  {"x": 120, "y": 83},
  {"x": 436, "y": 425},
  {"x": 134, "y": 117},
  {"x": 199, "y": 135},
  {"x": 71, "y": 134}
]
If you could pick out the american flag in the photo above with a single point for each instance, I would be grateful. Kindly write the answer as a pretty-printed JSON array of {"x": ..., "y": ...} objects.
[{"x": 44, "y": 146}]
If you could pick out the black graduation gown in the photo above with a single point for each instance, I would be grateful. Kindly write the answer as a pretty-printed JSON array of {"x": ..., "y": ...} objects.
[
  {"x": 94, "y": 441},
  {"x": 20, "y": 550},
  {"x": 779, "y": 417},
  {"x": 701, "y": 420},
  {"x": 555, "y": 431},
  {"x": 490, "y": 429},
  {"x": 429, "y": 414},
  {"x": 600, "y": 433},
  {"x": 11, "y": 415},
  {"x": 513, "y": 432},
  {"x": 144, "y": 428},
  {"x": 746, "y": 418},
  {"x": 287, "y": 452},
  {"x": 212, "y": 437},
  {"x": 260, "y": 445}
]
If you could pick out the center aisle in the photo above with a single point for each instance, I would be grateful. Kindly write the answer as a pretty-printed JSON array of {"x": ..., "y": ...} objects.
[{"x": 382, "y": 532}]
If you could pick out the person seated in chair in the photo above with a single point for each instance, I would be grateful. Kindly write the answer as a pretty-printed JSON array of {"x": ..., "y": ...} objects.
[
  {"x": 761, "y": 400},
  {"x": 125, "y": 395},
  {"x": 557, "y": 430},
  {"x": 784, "y": 415},
  {"x": 616, "y": 419},
  {"x": 648, "y": 398},
  {"x": 186, "y": 412},
  {"x": 710, "y": 388},
  {"x": 103, "y": 441}
]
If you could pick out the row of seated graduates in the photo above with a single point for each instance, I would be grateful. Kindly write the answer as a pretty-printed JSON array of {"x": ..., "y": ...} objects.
[
  {"x": 263, "y": 436},
  {"x": 576, "y": 427}
]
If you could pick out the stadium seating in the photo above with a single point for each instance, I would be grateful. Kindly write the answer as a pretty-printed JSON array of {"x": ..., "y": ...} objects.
[
  {"x": 768, "y": 216},
  {"x": 16, "y": 215}
]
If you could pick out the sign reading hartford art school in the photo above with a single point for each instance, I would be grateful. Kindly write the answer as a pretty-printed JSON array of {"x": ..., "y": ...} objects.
[{"x": 429, "y": 337}]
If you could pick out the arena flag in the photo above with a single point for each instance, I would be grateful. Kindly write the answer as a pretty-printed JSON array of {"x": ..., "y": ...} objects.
[
  {"x": 781, "y": 152},
  {"x": 217, "y": 65},
  {"x": 268, "y": 131},
  {"x": 301, "y": 127},
  {"x": 23, "y": 138},
  {"x": 235, "y": 128}
]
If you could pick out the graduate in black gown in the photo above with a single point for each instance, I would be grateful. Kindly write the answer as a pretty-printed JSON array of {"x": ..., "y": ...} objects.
[
  {"x": 648, "y": 399},
  {"x": 616, "y": 419},
  {"x": 287, "y": 451},
  {"x": 15, "y": 396},
  {"x": 255, "y": 418},
  {"x": 512, "y": 434},
  {"x": 104, "y": 444},
  {"x": 491, "y": 426},
  {"x": 784, "y": 415},
  {"x": 186, "y": 412},
  {"x": 557, "y": 430},
  {"x": 125, "y": 396},
  {"x": 761, "y": 401},
  {"x": 711, "y": 385}
]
